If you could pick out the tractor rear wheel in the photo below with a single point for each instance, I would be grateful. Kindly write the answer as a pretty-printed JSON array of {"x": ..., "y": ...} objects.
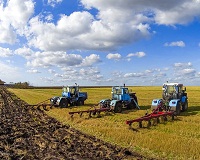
[
  {"x": 80, "y": 102},
  {"x": 130, "y": 105},
  {"x": 178, "y": 108},
  {"x": 185, "y": 106},
  {"x": 63, "y": 103},
  {"x": 135, "y": 98},
  {"x": 118, "y": 108}
]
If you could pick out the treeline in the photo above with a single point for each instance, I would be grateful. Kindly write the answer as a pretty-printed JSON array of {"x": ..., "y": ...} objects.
[{"x": 22, "y": 85}]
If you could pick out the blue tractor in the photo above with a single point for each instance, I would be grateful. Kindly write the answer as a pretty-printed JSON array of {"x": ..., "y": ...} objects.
[
  {"x": 174, "y": 98},
  {"x": 121, "y": 98},
  {"x": 71, "y": 96}
]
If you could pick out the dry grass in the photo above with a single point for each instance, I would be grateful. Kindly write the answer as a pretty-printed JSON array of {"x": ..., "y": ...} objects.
[{"x": 179, "y": 139}]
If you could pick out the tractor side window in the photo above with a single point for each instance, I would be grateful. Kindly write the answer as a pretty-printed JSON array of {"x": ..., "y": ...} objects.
[
  {"x": 64, "y": 89},
  {"x": 126, "y": 91},
  {"x": 118, "y": 91},
  {"x": 170, "y": 89},
  {"x": 73, "y": 90}
]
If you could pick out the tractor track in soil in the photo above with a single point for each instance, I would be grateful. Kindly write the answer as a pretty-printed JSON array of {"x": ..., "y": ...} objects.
[{"x": 29, "y": 133}]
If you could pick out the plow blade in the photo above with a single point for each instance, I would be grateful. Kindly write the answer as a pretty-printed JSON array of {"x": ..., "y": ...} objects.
[
  {"x": 151, "y": 116},
  {"x": 38, "y": 106},
  {"x": 91, "y": 111},
  {"x": 156, "y": 114}
]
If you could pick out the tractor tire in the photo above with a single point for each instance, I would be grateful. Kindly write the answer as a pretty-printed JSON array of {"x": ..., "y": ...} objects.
[
  {"x": 118, "y": 108},
  {"x": 80, "y": 102},
  {"x": 185, "y": 106},
  {"x": 130, "y": 105},
  {"x": 63, "y": 103},
  {"x": 178, "y": 109},
  {"x": 134, "y": 105}
]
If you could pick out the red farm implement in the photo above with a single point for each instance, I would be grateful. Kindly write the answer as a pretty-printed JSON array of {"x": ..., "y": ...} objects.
[
  {"x": 159, "y": 112},
  {"x": 92, "y": 111},
  {"x": 42, "y": 104}
]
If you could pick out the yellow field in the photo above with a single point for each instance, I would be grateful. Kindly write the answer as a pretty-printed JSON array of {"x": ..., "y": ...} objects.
[{"x": 179, "y": 139}]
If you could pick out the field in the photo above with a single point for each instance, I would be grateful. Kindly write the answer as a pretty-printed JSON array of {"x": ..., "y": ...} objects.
[{"x": 179, "y": 139}]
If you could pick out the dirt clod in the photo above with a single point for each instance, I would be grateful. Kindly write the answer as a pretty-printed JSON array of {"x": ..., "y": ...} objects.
[{"x": 29, "y": 133}]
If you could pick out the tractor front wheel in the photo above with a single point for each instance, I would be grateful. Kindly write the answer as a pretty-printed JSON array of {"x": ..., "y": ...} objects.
[
  {"x": 118, "y": 108},
  {"x": 63, "y": 103}
]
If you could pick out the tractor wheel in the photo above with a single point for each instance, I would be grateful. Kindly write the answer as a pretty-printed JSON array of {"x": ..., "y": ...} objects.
[
  {"x": 135, "y": 98},
  {"x": 118, "y": 108},
  {"x": 63, "y": 103},
  {"x": 185, "y": 106},
  {"x": 80, "y": 102},
  {"x": 130, "y": 105},
  {"x": 178, "y": 108}
]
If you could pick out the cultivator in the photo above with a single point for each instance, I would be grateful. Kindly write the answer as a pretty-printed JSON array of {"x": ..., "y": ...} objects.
[
  {"x": 92, "y": 111},
  {"x": 42, "y": 104},
  {"x": 159, "y": 112}
]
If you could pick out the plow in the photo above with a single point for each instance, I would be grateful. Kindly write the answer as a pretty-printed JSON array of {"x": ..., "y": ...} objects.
[
  {"x": 91, "y": 111},
  {"x": 159, "y": 112},
  {"x": 174, "y": 100}
]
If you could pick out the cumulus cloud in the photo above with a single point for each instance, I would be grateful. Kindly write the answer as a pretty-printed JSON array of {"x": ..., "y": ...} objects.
[
  {"x": 47, "y": 59},
  {"x": 177, "y": 43},
  {"x": 115, "y": 56},
  {"x": 137, "y": 54},
  {"x": 25, "y": 52},
  {"x": 133, "y": 75},
  {"x": 13, "y": 19},
  {"x": 51, "y": 71},
  {"x": 188, "y": 71},
  {"x": 5, "y": 52},
  {"x": 33, "y": 71},
  {"x": 9, "y": 72},
  {"x": 53, "y": 3},
  {"x": 90, "y": 60},
  {"x": 182, "y": 65}
]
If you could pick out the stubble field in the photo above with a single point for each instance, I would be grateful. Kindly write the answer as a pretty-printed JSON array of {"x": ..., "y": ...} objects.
[{"x": 178, "y": 139}]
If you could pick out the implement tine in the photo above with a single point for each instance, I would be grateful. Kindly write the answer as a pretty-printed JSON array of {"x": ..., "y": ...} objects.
[
  {"x": 38, "y": 107},
  {"x": 45, "y": 107},
  {"x": 81, "y": 113},
  {"x": 90, "y": 114}
]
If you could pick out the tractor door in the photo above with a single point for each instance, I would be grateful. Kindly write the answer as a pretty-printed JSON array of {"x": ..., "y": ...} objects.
[{"x": 125, "y": 94}]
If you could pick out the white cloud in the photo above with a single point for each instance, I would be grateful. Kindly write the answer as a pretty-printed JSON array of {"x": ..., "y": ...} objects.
[
  {"x": 51, "y": 71},
  {"x": 183, "y": 65},
  {"x": 53, "y": 3},
  {"x": 59, "y": 59},
  {"x": 33, "y": 71},
  {"x": 13, "y": 19},
  {"x": 115, "y": 56},
  {"x": 25, "y": 52},
  {"x": 90, "y": 60},
  {"x": 188, "y": 71},
  {"x": 134, "y": 75},
  {"x": 9, "y": 73},
  {"x": 5, "y": 52},
  {"x": 137, "y": 54},
  {"x": 177, "y": 43}
]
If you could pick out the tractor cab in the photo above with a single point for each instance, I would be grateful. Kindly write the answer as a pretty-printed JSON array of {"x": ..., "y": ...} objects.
[
  {"x": 174, "y": 97},
  {"x": 70, "y": 91},
  {"x": 173, "y": 91},
  {"x": 120, "y": 93}
]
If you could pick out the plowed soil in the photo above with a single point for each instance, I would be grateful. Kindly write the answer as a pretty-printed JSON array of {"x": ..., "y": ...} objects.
[{"x": 29, "y": 133}]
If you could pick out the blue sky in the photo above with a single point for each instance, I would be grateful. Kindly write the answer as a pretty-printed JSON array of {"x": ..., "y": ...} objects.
[{"x": 100, "y": 42}]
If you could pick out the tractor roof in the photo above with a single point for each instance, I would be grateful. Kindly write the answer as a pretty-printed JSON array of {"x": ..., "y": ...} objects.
[{"x": 172, "y": 84}]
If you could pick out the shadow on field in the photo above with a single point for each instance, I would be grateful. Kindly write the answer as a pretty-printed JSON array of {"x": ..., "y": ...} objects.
[
  {"x": 125, "y": 111},
  {"x": 192, "y": 110}
]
